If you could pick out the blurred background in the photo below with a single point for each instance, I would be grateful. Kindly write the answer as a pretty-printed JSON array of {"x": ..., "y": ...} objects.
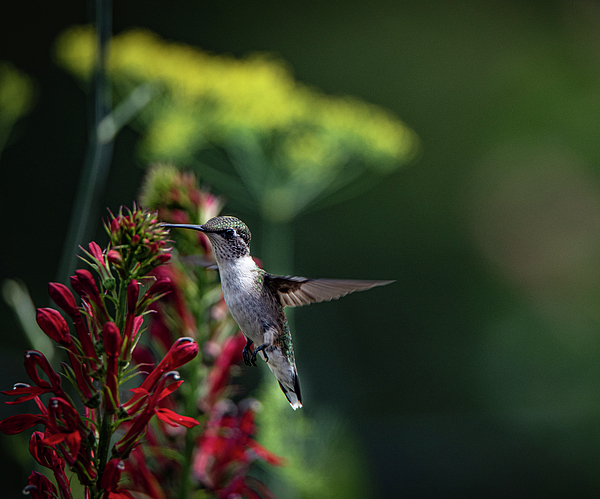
[{"x": 478, "y": 371}]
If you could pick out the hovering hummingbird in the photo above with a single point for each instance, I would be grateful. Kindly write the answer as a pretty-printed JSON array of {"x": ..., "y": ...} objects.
[{"x": 256, "y": 299}]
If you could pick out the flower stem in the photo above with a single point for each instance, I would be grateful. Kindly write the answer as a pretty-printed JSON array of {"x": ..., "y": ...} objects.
[{"x": 105, "y": 436}]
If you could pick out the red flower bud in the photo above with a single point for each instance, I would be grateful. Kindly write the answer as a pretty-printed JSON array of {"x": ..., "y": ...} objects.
[
  {"x": 133, "y": 291},
  {"x": 63, "y": 298},
  {"x": 112, "y": 339},
  {"x": 96, "y": 251},
  {"x": 84, "y": 284},
  {"x": 112, "y": 346},
  {"x": 182, "y": 351},
  {"x": 163, "y": 258},
  {"x": 115, "y": 257},
  {"x": 87, "y": 283},
  {"x": 54, "y": 325}
]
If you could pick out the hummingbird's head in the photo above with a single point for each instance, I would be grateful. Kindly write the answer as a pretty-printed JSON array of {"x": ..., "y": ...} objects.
[{"x": 229, "y": 236}]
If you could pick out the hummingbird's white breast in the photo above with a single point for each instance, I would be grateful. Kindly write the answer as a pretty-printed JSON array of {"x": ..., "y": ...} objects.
[{"x": 241, "y": 283}]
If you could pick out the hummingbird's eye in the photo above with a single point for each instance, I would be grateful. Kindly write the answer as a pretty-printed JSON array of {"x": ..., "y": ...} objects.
[{"x": 228, "y": 233}]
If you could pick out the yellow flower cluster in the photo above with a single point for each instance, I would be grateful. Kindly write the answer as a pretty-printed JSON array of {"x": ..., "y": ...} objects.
[{"x": 306, "y": 139}]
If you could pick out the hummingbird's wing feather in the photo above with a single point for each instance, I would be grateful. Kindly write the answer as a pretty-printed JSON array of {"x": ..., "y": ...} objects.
[{"x": 298, "y": 291}]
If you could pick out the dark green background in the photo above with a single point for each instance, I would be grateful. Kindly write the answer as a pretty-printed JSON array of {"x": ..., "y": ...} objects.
[{"x": 476, "y": 373}]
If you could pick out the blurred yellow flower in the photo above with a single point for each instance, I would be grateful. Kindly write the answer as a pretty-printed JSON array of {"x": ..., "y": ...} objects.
[
  {"x": 301, "y": 142},
  {"x": 16, "y": 93}
]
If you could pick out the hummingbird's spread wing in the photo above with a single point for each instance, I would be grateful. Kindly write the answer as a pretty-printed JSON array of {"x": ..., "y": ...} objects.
[{"x": 298, "y": 291}]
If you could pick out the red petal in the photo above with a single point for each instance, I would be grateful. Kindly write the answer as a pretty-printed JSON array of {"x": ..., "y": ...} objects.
[
  {"x": 264, "y": 454},
  {"x": 174, "y": 419},
  {"x": 19, "y": 422}
]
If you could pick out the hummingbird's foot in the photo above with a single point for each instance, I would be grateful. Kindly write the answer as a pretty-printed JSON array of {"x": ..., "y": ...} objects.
[
  {"x": 246, "y": 354},
  {"x": 258, "y": 349}
]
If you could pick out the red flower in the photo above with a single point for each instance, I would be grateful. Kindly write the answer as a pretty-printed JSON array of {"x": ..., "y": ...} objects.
[
  {"x": 150, "y": 401},
  {"x": 33, "y": 360},
  {"x": 39, "y": 487},
  {"x": 180, "y": 353},
  {"x": 49, "y": 458}
]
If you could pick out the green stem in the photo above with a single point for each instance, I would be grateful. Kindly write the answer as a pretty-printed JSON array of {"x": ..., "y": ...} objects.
[{"x": 105, "y": 436}]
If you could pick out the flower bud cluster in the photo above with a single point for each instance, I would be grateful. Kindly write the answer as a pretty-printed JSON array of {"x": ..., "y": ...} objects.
[{"x": 138, "y": 242}]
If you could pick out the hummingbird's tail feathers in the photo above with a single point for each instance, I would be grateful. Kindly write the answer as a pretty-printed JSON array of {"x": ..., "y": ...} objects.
[
  {"x": 287, "y": 375},
  {"x": 294, "y": 398}
]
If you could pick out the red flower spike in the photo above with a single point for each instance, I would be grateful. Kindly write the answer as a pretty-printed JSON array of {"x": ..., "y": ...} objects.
[
  {"x": 39, "y": 487},
  {"x": 54, "y": 325}
]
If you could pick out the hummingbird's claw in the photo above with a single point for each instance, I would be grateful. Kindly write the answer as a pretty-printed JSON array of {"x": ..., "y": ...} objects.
[
  {"x": 246, "y": 354},
  {"x": 258, "y": 349}
]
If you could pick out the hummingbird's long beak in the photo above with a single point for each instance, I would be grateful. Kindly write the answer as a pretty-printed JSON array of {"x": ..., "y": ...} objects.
[{"x": 185, "y": 226}]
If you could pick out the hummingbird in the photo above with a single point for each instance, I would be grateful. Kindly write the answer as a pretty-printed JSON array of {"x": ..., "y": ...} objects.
[{"x": 256, "y": 299}]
